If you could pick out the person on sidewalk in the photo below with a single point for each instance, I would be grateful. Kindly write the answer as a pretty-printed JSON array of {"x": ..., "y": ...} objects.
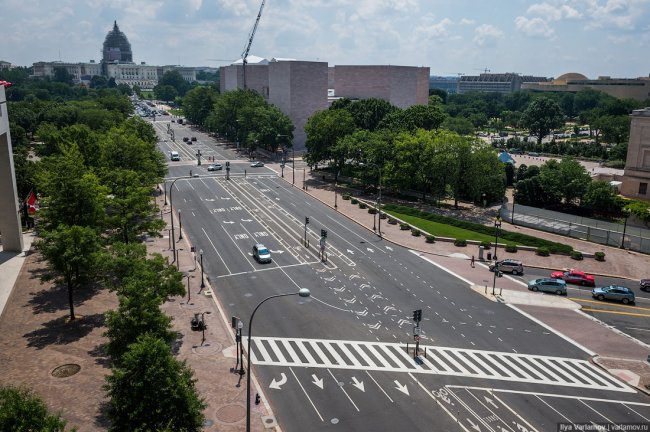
[{"x": 471, "y": 263}]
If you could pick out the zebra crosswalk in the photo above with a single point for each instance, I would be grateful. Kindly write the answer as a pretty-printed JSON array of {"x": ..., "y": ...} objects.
[{"x": 392, "y": 357}]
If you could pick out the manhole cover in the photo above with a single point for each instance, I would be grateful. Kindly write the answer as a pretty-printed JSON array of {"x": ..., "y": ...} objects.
[
  {"x": 66, "y": 370},
  {"x": 231, "y": 413}
]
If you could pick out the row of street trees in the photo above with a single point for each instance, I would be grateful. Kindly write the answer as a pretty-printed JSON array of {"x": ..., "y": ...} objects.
[
  {"x": 95, "y": 181},
  {"x": 408, "y": 147}
]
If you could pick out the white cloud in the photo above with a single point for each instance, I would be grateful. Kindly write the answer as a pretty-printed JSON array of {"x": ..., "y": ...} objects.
[
  {"x": 438, "y": 30},
  {"x": 618, "y": 14},
  {"x": 486, "y": 33},
  {"x": 535, "y": 27},
  {"x": 466, "y": 21},
  {"x": 553, "y": 12}
]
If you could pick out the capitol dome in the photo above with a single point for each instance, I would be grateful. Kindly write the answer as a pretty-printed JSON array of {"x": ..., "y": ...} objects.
[
  {"x": 571, "y": 76},
  {"x": 116, "y": 47}
]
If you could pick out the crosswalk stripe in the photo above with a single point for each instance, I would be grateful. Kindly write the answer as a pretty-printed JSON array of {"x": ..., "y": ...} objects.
[{"x": 393, "y": 357}]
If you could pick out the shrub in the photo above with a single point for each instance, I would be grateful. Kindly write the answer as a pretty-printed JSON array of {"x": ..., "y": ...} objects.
[
  {"x": 383, "y": 215},
  {"x": 576, "y": 255},
  {"x": 404, "y": 226},
  {"x": 392, "y": 221},
  {"x": 600, "y": 256},
  {"x": 345, "y": 196},
  {"x": 430, "y": 238},
  {"x": 542, "y": 251},
  {"x": 354, "y": 201},
  {"x": 460, "y": 242},
  {"x": 518, "y": 238},
  {"x": 486, "y": 244},
  {"x": 415, "y": 232},
  {"x": 363, "y": 205},
  {"x": 372, "y": 210},
  {"x": 511, "y": 248}
]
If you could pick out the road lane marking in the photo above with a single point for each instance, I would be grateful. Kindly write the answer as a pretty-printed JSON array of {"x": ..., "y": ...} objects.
[
  {"x": 614, "y": 312},
  {"x": 215, "y": 249},
  {"x": 438, "y": 402},
  {"x": 343, "y": 390},
  {"x": 610, "y": 304},
  {"x": 308, "y": 398}
]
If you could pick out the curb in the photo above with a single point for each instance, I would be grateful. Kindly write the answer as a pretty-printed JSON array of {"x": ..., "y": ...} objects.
[{"x": 595, "y": 362}]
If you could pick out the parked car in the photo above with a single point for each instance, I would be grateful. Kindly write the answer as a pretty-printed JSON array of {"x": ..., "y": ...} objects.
[
  {"x": 173, "y": 155},
  {"x": 575, "y": 277},
  {"x": 509, "y": 266},
  {"x": 261, "y": 253},
  {"x": 557, "y": 286},
  {"x": 215, "y": 167},
  {"x": 257, "y": 164},
  {"x": 193, "y": 138},
  {"x": 614, "y": 292},
  {"x": 185, "y": 139},
  {"x": 644, "y": 285}
]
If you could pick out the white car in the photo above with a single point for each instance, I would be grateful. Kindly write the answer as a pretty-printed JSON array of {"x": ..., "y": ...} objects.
[
  {"x": 215, "y": 167},
  {"x": 257, "y": 164}
]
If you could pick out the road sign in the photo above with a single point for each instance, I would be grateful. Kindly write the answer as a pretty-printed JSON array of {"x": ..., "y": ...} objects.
[
  {"x": 322, "y": 243},
  {"x": 416, "y": 338},
  {"x": 416, "y": 330}
]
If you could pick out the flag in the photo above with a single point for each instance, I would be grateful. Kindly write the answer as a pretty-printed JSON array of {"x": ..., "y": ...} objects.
[{"x": 32, "y": 203}]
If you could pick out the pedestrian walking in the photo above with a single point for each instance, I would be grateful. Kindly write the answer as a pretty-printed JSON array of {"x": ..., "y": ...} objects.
[{"x": 471, "y": 263}]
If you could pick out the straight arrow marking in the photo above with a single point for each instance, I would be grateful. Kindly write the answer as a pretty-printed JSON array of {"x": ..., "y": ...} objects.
[
  {"x": 402, "y": 388},
  {"x": 358, "y": 384},
  {"x": 318, "y": 382}
]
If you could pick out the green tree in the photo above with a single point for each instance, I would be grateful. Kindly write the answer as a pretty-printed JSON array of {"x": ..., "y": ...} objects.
[
  {"x": 62, "y": 75},
  {"x": 615, "y": 129},
  {"x": 324, "y": 129},
  {"x": 165, "y": 92},
  {"x": 74, "y": 257},
  {"x": 460, "y": 125},
  {"x": 151, "y": 390},
  {"x": 198, "y": 102},
  {"x": 541, "y": 117},
  {"x": 23, "y": 411},
  {"x": 174, "y": 79},
  {"x": 618, "y": 152},
  {"x": 603, "y": 197},
  {"x": 428, "y": 117},
  {"x": 368, "y": 113}
]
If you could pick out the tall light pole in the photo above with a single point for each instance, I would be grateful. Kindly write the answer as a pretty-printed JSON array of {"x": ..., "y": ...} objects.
[
  {"x": 171, "y": 204},
  {"x": 514, "y": 192},
  {"x": 626, "y": 213},
  {"x": 379, "y": 204},
  {"x": 303, "y": 292},
  {"x": 497, "y": 226},
  {"x": 180, "y": 226},
  {"x": 202, "y": 280}
]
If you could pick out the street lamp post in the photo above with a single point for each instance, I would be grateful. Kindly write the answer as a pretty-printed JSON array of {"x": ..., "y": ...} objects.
[
  {"x": 171, "y": 204},
  {"x": 202, "y": 280},
  {"x": 293, "y": 165},
  {"x": 379, "y": 204},
  {"x": 626, "y": 213},
  {"x": 303, "y": 292},
  {"x": 180, "y": 226},
  {"x": 514, "y": 192},
  {"x": 497, "y": 226}
]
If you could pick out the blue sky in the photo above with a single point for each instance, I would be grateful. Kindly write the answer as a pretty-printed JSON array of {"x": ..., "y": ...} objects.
[{"x": 547, "y": 38}]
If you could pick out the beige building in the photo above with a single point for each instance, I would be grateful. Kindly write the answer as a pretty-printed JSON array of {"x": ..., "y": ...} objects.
[
  {"x": 629, "y": 88},
  {"x": 637, "y": 166}
]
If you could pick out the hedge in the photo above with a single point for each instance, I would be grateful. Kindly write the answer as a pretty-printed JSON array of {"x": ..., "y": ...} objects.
[
  {"x": 345, "y": 196},
  {"x": 521, "y": 239},
  {"x": 430, "y": 238},
  {"x": 511, "y": 248},
  {"x": 600, "y": 256},
  {"x": 415, "y": 232},
  {"x": 460, "y": 242},
  {"x": 542, "y": 251},
  {"x": 576, "y": 255}
]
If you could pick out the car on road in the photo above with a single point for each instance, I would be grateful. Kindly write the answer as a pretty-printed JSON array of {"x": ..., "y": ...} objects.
[
  {"x": 509, "y": 266},
  {"x": 261, "y": 253},
  {"x": 215, "y": 167},
  {"x": 193, "y": 138},
  {"x": 257, "y": 164},
  {"x": 644, "y": 285},
  {"x": 614, "y": 292},
  {"x": 185, "y": 139},
  {"x": 173, "y": 155},
  {"x": 550, "y": 285},
  {"x": 575, "y": 277}
]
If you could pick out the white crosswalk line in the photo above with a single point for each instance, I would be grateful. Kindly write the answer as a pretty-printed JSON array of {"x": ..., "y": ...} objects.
[{"x": 393, "y": 357}]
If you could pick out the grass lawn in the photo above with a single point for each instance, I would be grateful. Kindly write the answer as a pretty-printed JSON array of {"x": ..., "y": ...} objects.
[
  {"x": 176, "y": 111},
  {"x": 443, "y": 230}
]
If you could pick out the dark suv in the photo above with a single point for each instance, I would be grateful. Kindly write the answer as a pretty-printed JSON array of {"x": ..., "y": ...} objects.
[{"x": 644, "y": 285}]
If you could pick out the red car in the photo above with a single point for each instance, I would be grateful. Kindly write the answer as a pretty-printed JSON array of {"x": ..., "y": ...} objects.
[{"x": 575, "y": 277}]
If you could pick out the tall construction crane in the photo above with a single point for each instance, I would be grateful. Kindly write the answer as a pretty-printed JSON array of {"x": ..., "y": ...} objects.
[{"x": 244, "y": 55}]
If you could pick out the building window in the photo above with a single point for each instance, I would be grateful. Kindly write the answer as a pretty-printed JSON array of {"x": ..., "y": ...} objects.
[{"x": 643, "y": 188}]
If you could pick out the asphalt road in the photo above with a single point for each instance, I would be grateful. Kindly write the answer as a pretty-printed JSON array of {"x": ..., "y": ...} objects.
[{"x": 340, "y": 360}]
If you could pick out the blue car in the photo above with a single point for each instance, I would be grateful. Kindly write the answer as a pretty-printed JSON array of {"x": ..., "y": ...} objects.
[{"x": 614, "y": 292}]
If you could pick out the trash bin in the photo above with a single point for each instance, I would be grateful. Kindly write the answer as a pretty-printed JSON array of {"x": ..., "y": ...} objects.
[
  {"x": 489, "y": 256},
  {"x": 480, "y": 252}
]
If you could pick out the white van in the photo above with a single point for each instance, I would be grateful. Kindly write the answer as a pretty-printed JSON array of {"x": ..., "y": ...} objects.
[{"x": 173, "y": 155}]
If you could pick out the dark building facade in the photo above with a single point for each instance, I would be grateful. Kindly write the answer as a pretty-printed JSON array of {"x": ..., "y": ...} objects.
[{"x": 116, "y": 49}]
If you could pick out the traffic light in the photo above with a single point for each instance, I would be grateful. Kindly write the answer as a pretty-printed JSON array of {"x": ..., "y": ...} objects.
[
  {"x": 306, "y": 220},
  {"x": 417, "y": 315},
  {"x": 323, "y": 233}
]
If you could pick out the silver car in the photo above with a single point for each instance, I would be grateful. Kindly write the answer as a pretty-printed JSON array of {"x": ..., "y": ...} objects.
[
  {"x": 550, "y": 285},
  {"x": 261, "y": 253},
  {"x": 509, "y": 266}
]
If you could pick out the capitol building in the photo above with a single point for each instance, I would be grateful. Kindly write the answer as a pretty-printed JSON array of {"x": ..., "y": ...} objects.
[{"x": 117, "y": 63}]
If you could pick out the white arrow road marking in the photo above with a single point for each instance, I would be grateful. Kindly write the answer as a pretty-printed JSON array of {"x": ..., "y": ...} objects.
[
  {"x": 318, "y": 382},
  {"x": 225, "y": 198},
  {"x": 228, "y": 222},
  {"x": 474, "y": 426},
  {"x": 276, "y": 384},
  {"x": 402, "y": 321},
  {"x": 389, "y": 248},
  {"x": 490, "y": 401},
  {"x": 363, "y": 312},
  {"x": 358, "y": 384},
  {"x": 339, "y": 289},
  {"x": 277, "y": 251},
  {"x": 321, "y": 270},
  {"x": 362, "y": 286},
  {"x": 353, "y": 300},
  {"x": 370, "y": 250},
  {"x": 388, "y": 309},
  {"x": 375, "y": 296},
  {"x": 402, "y": 388},
  {"x": 354, "y": 276},
  {"x": 247, "y": 220},
  {"x": 208, "y": 199},
  {"x": 330, "y": 279},
  {"x": 350, "y": 252},
  {"x": 375, "y": 326}
]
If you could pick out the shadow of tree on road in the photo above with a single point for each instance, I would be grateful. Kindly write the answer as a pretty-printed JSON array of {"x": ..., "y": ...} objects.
[{"x": 61, "y": 331}]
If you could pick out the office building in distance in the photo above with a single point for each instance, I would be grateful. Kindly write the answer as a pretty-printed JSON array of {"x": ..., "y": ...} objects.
[
  {"x": 632, "y": 88},
  {"x": 495, "y": 82}
]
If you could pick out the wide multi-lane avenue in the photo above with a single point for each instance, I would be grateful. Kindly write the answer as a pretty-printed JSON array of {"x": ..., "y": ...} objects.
[{"x": 339, "y": 359}]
